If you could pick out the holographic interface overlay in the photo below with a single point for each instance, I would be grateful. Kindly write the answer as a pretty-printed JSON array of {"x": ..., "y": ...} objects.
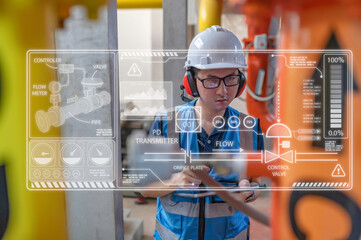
[{"x": 72, "y": 129}]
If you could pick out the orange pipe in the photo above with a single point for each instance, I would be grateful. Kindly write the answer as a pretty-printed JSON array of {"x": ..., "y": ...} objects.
[{"x": 258, "y": 17}]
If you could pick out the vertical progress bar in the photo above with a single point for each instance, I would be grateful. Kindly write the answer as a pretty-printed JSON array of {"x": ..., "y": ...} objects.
[{"x": 336, "y": 100}]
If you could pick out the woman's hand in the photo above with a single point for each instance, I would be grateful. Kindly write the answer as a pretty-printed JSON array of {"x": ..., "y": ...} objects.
[
  {"x": 186, "y": 178},
  {"x": 248, "y": 196},
  {"x": 183, "y": 179}
]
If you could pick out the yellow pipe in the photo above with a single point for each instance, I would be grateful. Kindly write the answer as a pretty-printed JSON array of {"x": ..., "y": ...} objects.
[
  {"x": 139, "y": 3},
  {"x": 33, "y": 215},
  {"x": 210, "y": 12}
]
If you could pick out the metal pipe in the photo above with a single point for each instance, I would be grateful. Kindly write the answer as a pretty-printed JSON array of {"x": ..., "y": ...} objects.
[
  {"x": 124, "y": 4},
  {"x": 56, "y": 116},
  {"x": 259, "y": 82},
  {"x": 210, "y": 12}
]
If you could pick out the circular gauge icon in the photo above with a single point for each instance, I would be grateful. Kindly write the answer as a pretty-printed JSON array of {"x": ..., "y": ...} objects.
[
  {"x": 46, "y": 173},
  {"x": 71, "y": 153},
  {"x": 76, "y": 173},
  {"x": 218, "y": 122},
  {"x": 57, "y": 173},
  {"x": 100, "y": 153},
  {"x": 37, "y": 173},
  {"x": 188, "y": 119},
  {"x": 42, "y": 153},
  {"x": 249, "y": 122},
  {"x": 66, "y": 173},
  {"x": 234, "y": 122}
]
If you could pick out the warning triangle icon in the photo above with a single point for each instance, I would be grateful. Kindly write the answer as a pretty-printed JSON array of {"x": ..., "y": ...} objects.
[
  {"x": 338, "y": 171},
  {"x": 134, "y": 71}
]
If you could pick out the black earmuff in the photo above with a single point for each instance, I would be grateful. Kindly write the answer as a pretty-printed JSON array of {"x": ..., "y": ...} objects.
[{"x": 242, "y": 84}]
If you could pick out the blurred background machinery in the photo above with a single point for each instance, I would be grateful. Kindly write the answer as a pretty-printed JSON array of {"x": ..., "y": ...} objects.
[
  {"x": 306, "y": 25},
  {"x": 28, "y": 214}
]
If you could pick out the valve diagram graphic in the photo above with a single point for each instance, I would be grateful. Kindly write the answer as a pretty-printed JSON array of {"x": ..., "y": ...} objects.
[{"x": 89, "y": 102}]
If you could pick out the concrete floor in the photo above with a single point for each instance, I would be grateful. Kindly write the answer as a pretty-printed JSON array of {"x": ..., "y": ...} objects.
[
  {"x": 143, "y": 211},
  {"x": 258, "y": 230},
  {"x": 147, "y": 213}
]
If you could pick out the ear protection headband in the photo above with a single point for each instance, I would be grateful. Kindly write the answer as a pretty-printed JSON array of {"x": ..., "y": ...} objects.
[{"x": 189, "y": 83}]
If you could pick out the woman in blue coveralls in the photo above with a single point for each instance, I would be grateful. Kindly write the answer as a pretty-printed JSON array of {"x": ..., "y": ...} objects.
[{"x": 214, "y": 77}]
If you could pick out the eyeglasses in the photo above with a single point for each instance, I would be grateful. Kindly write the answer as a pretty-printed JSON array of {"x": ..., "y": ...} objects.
[{"x": 214, "y": 82}]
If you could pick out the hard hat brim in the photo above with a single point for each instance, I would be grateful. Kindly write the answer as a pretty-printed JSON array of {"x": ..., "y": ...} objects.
[{"x": 217, "y": 66}]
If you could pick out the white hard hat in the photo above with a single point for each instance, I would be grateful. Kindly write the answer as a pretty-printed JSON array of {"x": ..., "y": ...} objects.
[{"x": 214, "y": 48}]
